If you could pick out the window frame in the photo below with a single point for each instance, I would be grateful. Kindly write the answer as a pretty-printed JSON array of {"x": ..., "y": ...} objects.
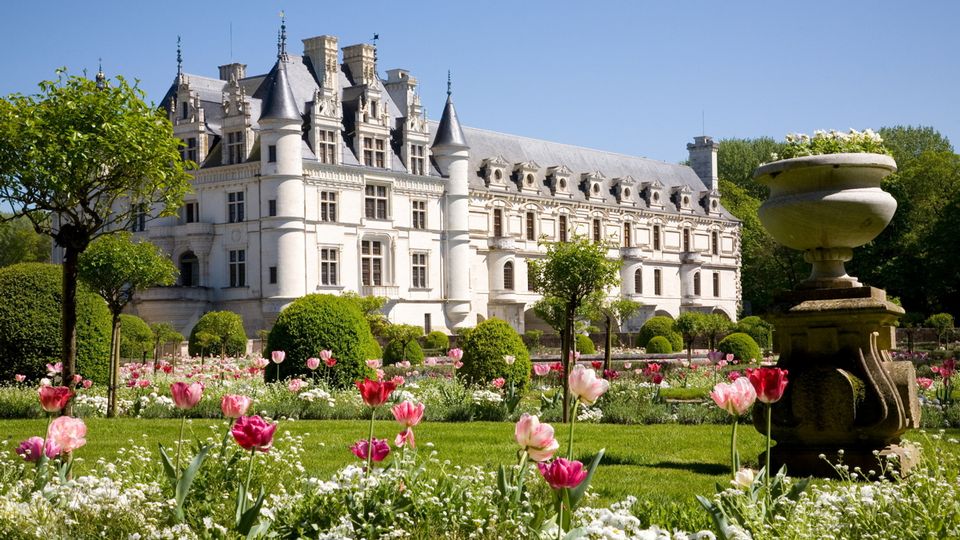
[
  {"x": 380, "y": 200},
  {"x": 716, "y": 284},
  {"x": 326, "y": 146},
  {"x": 509, "y": 281},
  {"x": 329, "y": 266},
  {"x": 237, "y": 261},
  {"x": 236, "y": 208},
  {"x": 657, "y": 233},
  {"x": 372, "y": 265},
  {"x": 328, "y": 206},
  {"x": 657, "y": 282},
  {"x": 562, "y": 228},
  {"x": 419, "y": 270},
  {"x": 498, "y": 223},
  {"x": 638, "y": 281},
  {"x": 530, "y": 225},
  {"x": 418, "y": 211}
]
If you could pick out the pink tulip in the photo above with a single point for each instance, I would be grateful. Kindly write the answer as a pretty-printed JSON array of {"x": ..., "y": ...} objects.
[
  {"x": 585, "y": 385},
  {"x": 29, "y": 449},
  {"x": 87, "y": 383},
  {"x": 734, "y": 375},
  {"x": 561, "y": 473},
  {"x": 536, "y": 439},
  {"x": 498, "y": 382},
  {"x": 186, "y": 396},
  {"x": 730, "y": 357},
  {"x": 278, "y": 356},
  {"x": 67, "y": 433},
  {"x": 408, "y": 414},
  {"x": 574, "y": 356},
  {"x": 143, "y": 383},
  {"x": 457, "y": 364},
  {"x": 380, "y": 449},
  {"x": 77, "y": 378},
  {"x": 541, "y": 369},
  {"x": 398, "y": 380},
  {"x": 54, "y": 398},
  {"x": 430, "y": 361},
  {"x": 295, "y": 385},
  {"x": 374, "y": 364},
  {"x": 20, "y": 378},
  {"x": 253, "y": 433},
  {"x": 735, "y": 397},
  {"x": 627, "y": 365},
  {"x": 234, "y": 406},
  {"x": 924, "y": 382},
  {"x": 403, "y": 364},
  {"x": 404, "y": 438},
  {"x": 313, "y": 363},
  {"x": 770, "y": 383},
  {"x": 327, "y": 357},
  {"x": 53, "y": 369},
  {"x": 455, "y": 354},
  {"x": 260, "y": 362}
]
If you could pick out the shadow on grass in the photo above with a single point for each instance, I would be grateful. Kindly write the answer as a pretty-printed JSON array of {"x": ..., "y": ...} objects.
[{"x": 699, "y": 468}]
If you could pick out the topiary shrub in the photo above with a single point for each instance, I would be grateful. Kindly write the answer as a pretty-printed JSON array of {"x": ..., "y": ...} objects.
[
  {"x": 659, "y": 345},
  {"x": 532, "y": 339},
  {"x": 760, "y": 330},
  {"x": 585, "y": 344},
  {"x": 371, "y": 348},
  {"x": 136, "y": 338},
  {"x": 314, "y": 323},
  {"x": 660, "y": 326},
  {"x": 394, "y": 353},
  {"x": 30, "y": 333},
  {"x": 484, "y": 348},
  {"x": 224, "y": 324},
  {"x": 436, "y": 340},
  {"x": 743, "y": 347}
]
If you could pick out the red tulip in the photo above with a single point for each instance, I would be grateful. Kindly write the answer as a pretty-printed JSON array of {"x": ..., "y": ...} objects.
[
  {"x": 380, "y": 449},
  {"x": 769, "y": 383},
  {"x": 253, "y": 433},
  {"x": 597, "y": 364},
  {"x": 561, "y": 473},
  {"x": 186, "y": 396},
  {"x": 375, "y": 393},
  {"x": 54, "y": 398}
]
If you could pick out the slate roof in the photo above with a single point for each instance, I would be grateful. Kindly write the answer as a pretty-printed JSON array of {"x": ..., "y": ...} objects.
[
  {"x": 448, "y": 132},
  {"x": 279, "y": 102}
]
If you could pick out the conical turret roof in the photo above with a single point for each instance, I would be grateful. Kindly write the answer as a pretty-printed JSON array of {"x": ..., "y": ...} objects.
[
  {"x": 449, "y": 132},
  {"x": 280, "y": 103}
]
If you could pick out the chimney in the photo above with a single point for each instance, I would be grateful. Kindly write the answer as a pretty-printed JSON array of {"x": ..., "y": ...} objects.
[
  {"x": 323, "y": 54},
  {"x": 361, "y": 63},
  {"x": 233, "y": 71},
  {"x": 703, "y": 160}
]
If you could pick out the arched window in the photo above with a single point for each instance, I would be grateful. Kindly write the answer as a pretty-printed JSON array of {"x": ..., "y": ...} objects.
[
  {"x": 508, "y": 275},
  {"x": 716, "y": 284},
  {"x": 189, "y": 270},
  {"x": 638, "y": 281},
  {"x": 696, "y": 284}
]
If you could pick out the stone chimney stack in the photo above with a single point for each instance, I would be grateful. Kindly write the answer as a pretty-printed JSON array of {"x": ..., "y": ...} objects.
[
  {"x": 233, "y": 71},
  {"x": 361, "y": 61},
  {"x": 323, "y": 54},
  {"x": 703, "y": 160}
]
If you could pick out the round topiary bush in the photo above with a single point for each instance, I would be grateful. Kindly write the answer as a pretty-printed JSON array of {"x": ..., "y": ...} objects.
[
  {"x": 394, "y": 353},
  {"x": 136, "y": 338},
  {"x": 760, "y": 330},
  {"x": 319, "y": 322},
  {"x": 436, "y": 340},
  {"x": 30, "y": 332},
  {"x": 659, "y": 345},
  {"x": 224, "y": 324},
  {"x": 660, "y": 326},
  {"x": 371, "y": 348},
  {"x": 585, "y": 344},
  {"x": 484, "y": 348},
  {"x": 743, "y": 347}
]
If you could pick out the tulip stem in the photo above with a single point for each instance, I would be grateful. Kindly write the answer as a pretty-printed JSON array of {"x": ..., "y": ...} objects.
[
  {"x": 523, "y": 472},
  {"x": 769, "y": 425},
  {"x": 180, "y": 444},
  {"x": 560, "y": 516},
  {"x": 573, "y": 420},
  {"x": 733, "y": 448},
  {"x": 373, "y": 412},
  {"x": 246, "y": 485}
]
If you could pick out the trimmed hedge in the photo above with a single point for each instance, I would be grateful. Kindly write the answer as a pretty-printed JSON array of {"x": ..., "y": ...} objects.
[
  {"x": 136, "y": 338},
  {"x": 757, "y": 328},
  {"x": 585, "y": 344},
  {"x": 436, "y": 340},
  {"x": 394, "y": 353},
  {"x": 314, "y": 323},
  {"x": 660, "y": 326},
  {"x": 743, "y": 347},
  {"x": 484, "y": 348},
  {"x": 215, "y": 322},
  {"x": 30, "y": 332},
  {"x": 659, "y": 345}
]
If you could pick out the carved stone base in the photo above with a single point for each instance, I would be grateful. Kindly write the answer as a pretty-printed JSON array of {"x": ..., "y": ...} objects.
[{"x": 894, "y": 460}]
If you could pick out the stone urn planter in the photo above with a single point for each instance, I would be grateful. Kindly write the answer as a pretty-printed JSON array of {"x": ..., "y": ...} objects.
[{"x": 825, "y": 206}]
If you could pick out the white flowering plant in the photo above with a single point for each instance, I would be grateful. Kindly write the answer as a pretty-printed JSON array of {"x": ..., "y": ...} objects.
[{"x": 830, "y": 142}]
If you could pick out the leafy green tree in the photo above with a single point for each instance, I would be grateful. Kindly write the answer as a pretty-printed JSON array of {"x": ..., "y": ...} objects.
[
  {"x": 372, "y": 309},
  {"x": 690, "y": 325},
  {"x": 609, "y": 312},
  {"x": 714, "y": 326},
  {"x": 116, "y": 267},
  {"x": 738, "y": 158},
  {"x": 227, "y": 326},
  {"x": 163, "y": 333},
  {"x": 572, "y": 271},
  {"x": 942, "y": 323},
  {"x": 403, "y": 334},
  {"x": 206, "y": 341},
  {"x": 20, "y": 243},
  {"x": 136, "y": 338},
  {"x": 81, "y": 159}
]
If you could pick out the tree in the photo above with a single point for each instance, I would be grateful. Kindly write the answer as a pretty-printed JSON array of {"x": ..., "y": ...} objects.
[
  {"x": 942, "y": 323},
  {"x": 116, "y": 267},
  {"x": 610, "y": 311},
  {"x": 227, "y": 326},
  {"x": 81, "y": 159},
  {"x": 163, "y": 333},
  {"x": 738, "y": 158},
  {"x": 691, "y": 325},
  {"x": 403, "y": 334},
  {"x": 714, "y": 326},
  {"x": 572, "y": 271},
  {"x": 136, "y": 338},
  {"x": 372, "y": 309},
  {"x": 207, "y": 342},
  {"x": 20, "y": 243}
]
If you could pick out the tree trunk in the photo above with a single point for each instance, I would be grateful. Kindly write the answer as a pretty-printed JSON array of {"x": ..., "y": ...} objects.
[
  {"x": 690, "y": 349},
  {"x": 607, "y": 355},
  {"x": 68, "y": 320},
  {"x": 566, "y": 347},
  {"x": 114, "y": 366}
]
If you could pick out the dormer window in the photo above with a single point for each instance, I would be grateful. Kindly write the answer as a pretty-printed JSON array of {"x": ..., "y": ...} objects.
[
  {"x": 417, "y": 161},
  {"x": 184, "y": 111},
  {"x": 326, "y": 146},
  {"x": 373, "y": 108},
  {"x": 236, "y": 150},
  {"x": 374, "y": 152},
  {"x": 498, "y": 175},
  {"x": 590, "y": 184},
  {"x": 493, "y": 171},
  {"x": 524, "y": 174},
  {"x": 558, "y": 179},
  {"x": 528, "y": 180}
]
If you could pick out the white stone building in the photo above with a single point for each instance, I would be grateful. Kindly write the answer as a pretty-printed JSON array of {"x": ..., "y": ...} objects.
[{"x": 321, "y": 176}]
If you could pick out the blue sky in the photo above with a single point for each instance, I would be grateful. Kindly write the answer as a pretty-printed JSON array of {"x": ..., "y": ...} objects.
[{"x": 637, "y": 77}]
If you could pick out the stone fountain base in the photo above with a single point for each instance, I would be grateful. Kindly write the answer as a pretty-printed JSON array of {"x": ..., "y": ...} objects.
[{"x": 845, "y": 391}]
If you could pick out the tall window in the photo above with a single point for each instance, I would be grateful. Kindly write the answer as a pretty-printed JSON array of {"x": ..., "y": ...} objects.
[
  {"x": 658, "y": 282},
  {"x": 417, "y": 161},
  {"x": 638, "y": 281},
  {"x": 427, "y": 325},
  {"x": 238, "y": 268},
  {"x": 497, "y": 222},
  {"x": 716, "y": 284},
  {"x": 371, "y": 262},
  {"x": 235, "y": 147},
  {"x": 191, "y": 212},
  {"x": 563, "y": 228},
  {"x": 531, "y": 226},
  {"x": 508, "y": 275},
  {"x": 272, "y": 207},
  {"x": 419, "y": 214},
  {"x": 328, "y": 266},
  {"x": 715, "y": 243},
  {"x": 418, "y": 271},
  {"x": 138, "y": 221},
  {"x": 696, "y": 284},
  {"x": 271, "y": 153},
  {"x": 686, "y": 240},
  {"x": 328, "y": 206},
  {"x": 326, "y": 146},
  {"x": 596, "y": 230},
  {"x": 374, "y": 152},
  {"x": 189, "y": 270},
  {"x": 627, "y": 235},
  {"x": 189, "y": 153},
  {"x": 375, "y": 203},
  {"x": 656, "y": 238},
  {"x": 235, "y": 206},
  {"x": 272, "y": 275},
  {"x": 184, "y": 111}
]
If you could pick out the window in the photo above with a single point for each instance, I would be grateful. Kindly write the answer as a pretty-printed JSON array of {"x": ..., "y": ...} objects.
[
  {"x": 328, "y": 266},
  {"x": 596, "y": 230},
  {"x": 638, "y": 281},
  {"x": 371, "y": 262},
  {"x": 272, "y": 279},
  {"x": 138, "y": 221},
  {"x": 189, "y": 152},
  {"x": 189, "y": 270},
  {"x": 417, "y": 160},
  {"x": 563, "y": 229},
  {"x": 191, "y": 212},
  {"x": 531, "y": 226},
  {"x": 373, "y": 152},
  {"x": 497, "y": 222},
  {"x": 328, "y": 206},
  {"x": 508, "y": 275},
  {"x": 238, "y": 268},
  {"x": 427, "y": 326},
  {"x": 184, "y": 111},
  {"x": 235, "y": 147},
  {"x": 696, "y": 284},
  {"x": 715, "y": 243},
  {"x": 373, "y": 108},
  {"x": 656, "y": 238},
  {"x": 272, "y": 207},
  {"x": 272, "y": 153},
  {"x": 658, "y": 282},
  {"x": 716, "y": 284},
  {"x": 235, "y": 207},
  {"x": 419, "y": 214},
  {"x": 375, "y": 203},
  {"x": 627, "y": 235},
  {"x": 326, "y": 146},
  {"x": 686, "y": 240},
  {"x": 419, "y": 271}
]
